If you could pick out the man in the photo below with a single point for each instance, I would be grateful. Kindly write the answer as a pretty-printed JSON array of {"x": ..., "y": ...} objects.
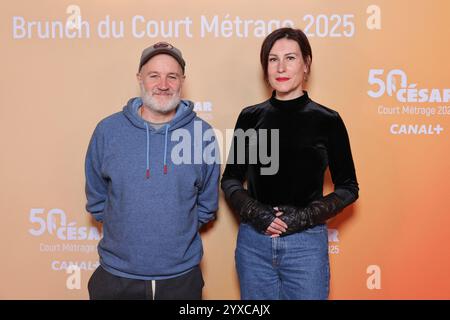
[{"x": 151, "y": 203}]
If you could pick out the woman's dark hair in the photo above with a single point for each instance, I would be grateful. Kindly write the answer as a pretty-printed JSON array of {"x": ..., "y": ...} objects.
[{"x": 285, "y": 33}]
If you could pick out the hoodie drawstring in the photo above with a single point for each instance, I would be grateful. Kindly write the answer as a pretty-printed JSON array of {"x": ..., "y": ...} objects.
[
  {"x": 147, "y": 172},
  {"x": 165, "y": 150}
]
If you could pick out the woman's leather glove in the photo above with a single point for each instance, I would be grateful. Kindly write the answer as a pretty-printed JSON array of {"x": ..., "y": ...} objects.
[
  {"x": 319, "y": 211},
  {"x": 251, "y": 211}
]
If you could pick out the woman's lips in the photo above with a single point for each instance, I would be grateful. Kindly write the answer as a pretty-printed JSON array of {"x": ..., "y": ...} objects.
[{"x": 282, "y": 79}]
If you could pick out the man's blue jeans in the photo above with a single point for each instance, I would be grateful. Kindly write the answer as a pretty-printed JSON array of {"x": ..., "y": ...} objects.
[{"x": 290, "y": 267}]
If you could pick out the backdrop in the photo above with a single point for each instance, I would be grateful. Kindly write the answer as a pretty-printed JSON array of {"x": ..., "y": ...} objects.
[{"x": 383, "y": 65}]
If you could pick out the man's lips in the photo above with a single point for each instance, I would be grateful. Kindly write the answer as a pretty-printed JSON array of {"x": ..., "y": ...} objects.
[{"x": 282, "y": 79}]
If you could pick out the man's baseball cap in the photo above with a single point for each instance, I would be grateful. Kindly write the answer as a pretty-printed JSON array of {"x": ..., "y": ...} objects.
[{"x": 159, "y": 48}]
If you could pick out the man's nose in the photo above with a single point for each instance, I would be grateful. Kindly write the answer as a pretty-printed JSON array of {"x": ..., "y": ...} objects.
[{"x": 163, "y": 84}]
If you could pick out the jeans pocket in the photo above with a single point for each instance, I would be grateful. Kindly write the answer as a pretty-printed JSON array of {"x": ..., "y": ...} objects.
[{"x": 317, "y": 229}]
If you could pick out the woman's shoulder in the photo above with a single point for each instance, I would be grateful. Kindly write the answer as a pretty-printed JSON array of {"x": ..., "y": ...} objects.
[
  {"x": 254, "y": 111},
  {"x": 250, "y": 115},
  {"x": 256, "y": 108},
  {"x": 323, "y": 110}
]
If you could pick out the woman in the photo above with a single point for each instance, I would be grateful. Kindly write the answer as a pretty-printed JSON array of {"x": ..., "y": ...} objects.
[{"x": 282, "y": 245}]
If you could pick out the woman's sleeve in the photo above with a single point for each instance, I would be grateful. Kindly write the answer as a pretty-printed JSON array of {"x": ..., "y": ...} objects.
[
  {"x": 236, "y": 169},
  {"x": 346, "y": 188},
  {"x": 341, "y": 164},
  {"x": 251, "y": 211}
]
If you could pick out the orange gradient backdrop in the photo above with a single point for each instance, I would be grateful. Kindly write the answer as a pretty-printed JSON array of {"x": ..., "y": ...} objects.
[{"x": 391, "y": 244}]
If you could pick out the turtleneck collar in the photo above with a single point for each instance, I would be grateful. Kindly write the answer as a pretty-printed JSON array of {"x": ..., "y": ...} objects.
[{"x": 291, "y": 105}]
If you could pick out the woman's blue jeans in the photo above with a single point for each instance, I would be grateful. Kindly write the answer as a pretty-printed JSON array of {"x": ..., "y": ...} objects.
[{"x": 290, "y": 267}]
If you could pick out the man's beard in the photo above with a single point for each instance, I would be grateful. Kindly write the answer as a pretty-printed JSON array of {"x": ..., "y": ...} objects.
[{"x": 154, "y": 105}]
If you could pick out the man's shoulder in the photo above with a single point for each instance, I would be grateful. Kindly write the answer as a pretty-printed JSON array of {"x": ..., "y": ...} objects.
[
  {"x": 111, "y": 120},
  {"x": 203, "y": 122}
]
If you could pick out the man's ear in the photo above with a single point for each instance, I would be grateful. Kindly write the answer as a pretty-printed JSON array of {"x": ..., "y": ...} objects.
[{"x": 139, "y": 77}]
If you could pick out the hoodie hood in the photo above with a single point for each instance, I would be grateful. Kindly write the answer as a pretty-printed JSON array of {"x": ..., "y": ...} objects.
[{"x": 184, "y": 114}]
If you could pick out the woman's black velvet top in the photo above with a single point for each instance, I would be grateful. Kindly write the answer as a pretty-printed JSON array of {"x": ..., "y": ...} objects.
[{"x": 311, "y": 137}]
